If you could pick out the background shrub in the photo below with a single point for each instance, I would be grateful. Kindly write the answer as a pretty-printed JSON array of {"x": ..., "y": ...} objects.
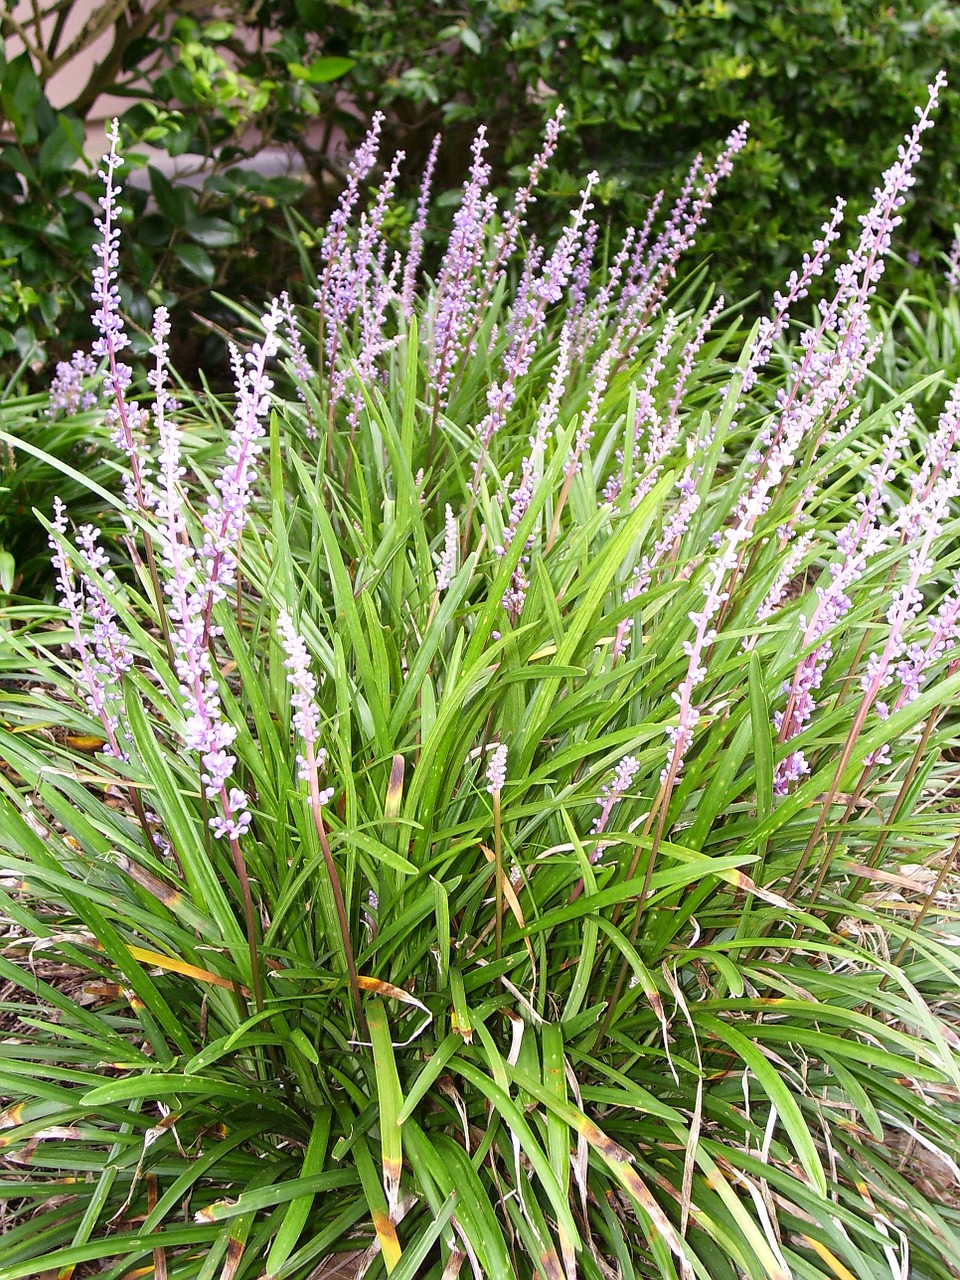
[
  {"x": 211, "y": 227},
  {"x": 825, "y": 86},
  {"x": 647, "y": 85}
]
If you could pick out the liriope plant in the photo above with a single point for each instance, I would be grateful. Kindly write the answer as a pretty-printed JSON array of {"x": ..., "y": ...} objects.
[{"x": 495, "y": 819}]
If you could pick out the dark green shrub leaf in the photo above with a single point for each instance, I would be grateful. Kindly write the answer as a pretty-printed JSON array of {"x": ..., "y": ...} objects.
[
  {"x": 213, "y": 233},
  {"x": 197, "y": 261},
  {"x": 310, "y": 12},
  {"x": 25, "y": 340},
  {"x": 321, "y": 71},
  {"x": 18, "y": 162},
  {"x": 62, "y": 148},
  {"x": 20, "y": 97},
  {"x": 172, "y": 201}
]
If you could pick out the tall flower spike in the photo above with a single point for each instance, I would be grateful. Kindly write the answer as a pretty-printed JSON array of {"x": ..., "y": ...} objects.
[
  {"x": 607, "y": 293},
  {"x": 227, "y": 513},
  {"x": 922, "y": 528},
  {"x": 857, "y": 543},
  {"x": 522, "y": 496},
  {"x": 515, "y": 220},
  {"x": 306, "y": 722},
  {"x": 919, "y": 659},
  {"x": 659, "y": 442},
  {"x": 456, "y": 284},
  {"x": 865, "y": 264},
  {"x": 104, "y": 664},
  {"x": 306, "y": 717},
  {"x": 938, "y": 452},
  {"x": 546, "y": 421},
  {"x": 679, "y": 235},
  {"x": 598, "y": 389},
  {"x": 580, "y": 280},
  {"x": 448, "y": 559},
  {"x": 125, "y": 420},
  {"x": 193, "y": 581},
  {"x": 952, "y": 272},
  {"x": 301, "y": 365},
  {"x": 415, "y": 247},
  {"x": 107, "y": 319},
  {"x": 846, "y": 313},
  {"x": 536, "y": 294},
  {"x": 334, "y": 241}
]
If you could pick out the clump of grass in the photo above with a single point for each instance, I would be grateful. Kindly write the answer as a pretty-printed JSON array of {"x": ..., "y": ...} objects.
[{"x": 496, "y": 821}]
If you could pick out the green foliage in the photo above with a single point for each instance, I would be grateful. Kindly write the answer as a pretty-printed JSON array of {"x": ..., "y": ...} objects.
[{"x": 28, "y": 480}]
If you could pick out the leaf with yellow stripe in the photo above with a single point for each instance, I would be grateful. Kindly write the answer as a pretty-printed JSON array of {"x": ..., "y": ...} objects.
[
  {"x": 831, "y": 1259},
  {"x": 173, "y": 899},
  {"x": 173, "y": 964},
  {"x": 377, "y": 1204},
  {"x": 617, "y": 1159},
  {"x": 513, "y": 902},
  {"x": 387, "y": 991},
  {"x": 390, "y": 1099},
  {"x": 460, "y": 1017}
]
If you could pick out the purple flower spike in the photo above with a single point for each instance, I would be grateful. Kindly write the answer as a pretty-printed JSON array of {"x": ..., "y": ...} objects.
[
  {"x": 196, "y": 580},
  {"x": 226, "y": 517},
  {"x": 306, "y": 716},
  {"x": 612, "y": 791},
  {"x": 126, "y": 420},
  {"x": 938, "y": 454},
  {"x": 680, "y": 735},
  {"x": 415, "y": 248},
  {"x": 515, "y": 220},
  {"x": 952, "y": 272},
  {"x": 601, "y": 379},
  {"x": 649, "y": 280},
  {"x": 918, "y": 659},
  {"x": 456, "y": 283},
  {"x": 857, "y": 544},
  {"x": 448, "y": 560},
  {"x": 516, "y": 593},
  {"x": 333, "y": 251},
  {"x": 107, "y": 319},
  {"x": 302, "y": 371}
]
